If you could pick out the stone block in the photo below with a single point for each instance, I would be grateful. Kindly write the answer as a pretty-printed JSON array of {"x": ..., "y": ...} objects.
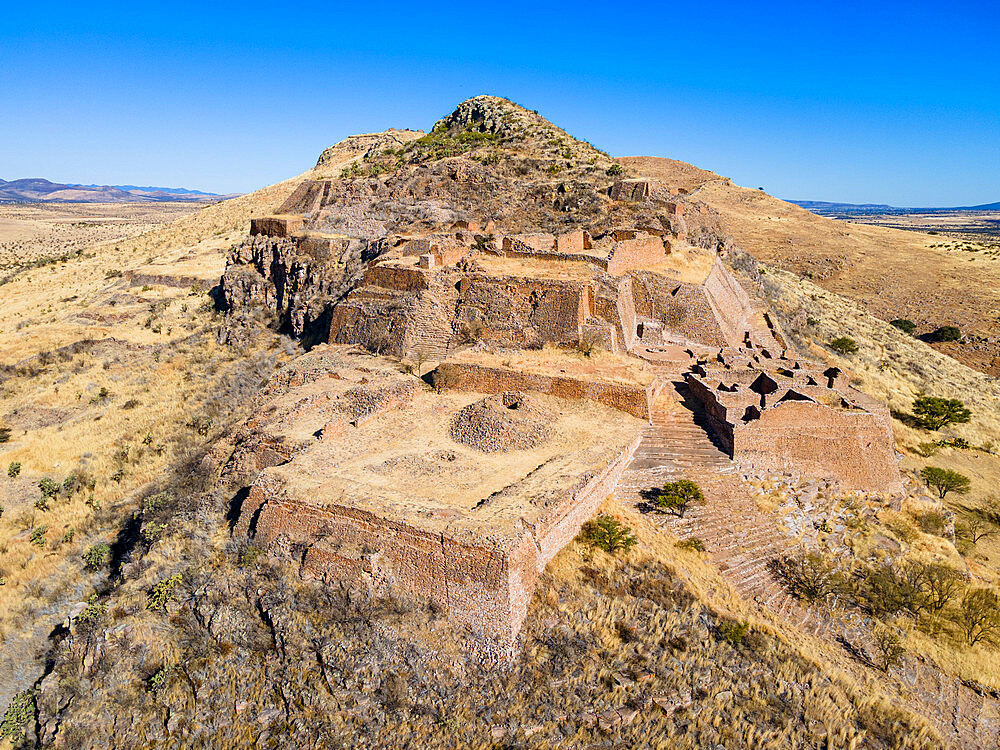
[
  {"x": 276, "y": 226},
  {"x": 426, "y": 261},
  {"x": 630, "y": 190}
]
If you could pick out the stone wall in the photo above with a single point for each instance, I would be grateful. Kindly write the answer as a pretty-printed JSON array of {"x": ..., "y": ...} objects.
[
  {"x": 523, "y": 311},
  {"x": 852, "y": 446},
  {"x": 632, "y": 399},
  {"x": 396, "y": 277},
  {"x": 276, "y": 226},
  {"x": 485, "y": 586},
  {"x": 637, "y": 253},
  {"x": 683, "y": 309},
  {"x": 733, "y": 308}
]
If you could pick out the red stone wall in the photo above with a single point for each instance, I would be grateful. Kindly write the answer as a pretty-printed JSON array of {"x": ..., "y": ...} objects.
[
  {"x": 276, "y": 226},
  {"x": 638, "y": 253},
  {"x": 486, "y": 587},
  {"x": 394, "y": 277},
  {"x": 854, "y": 447},
  {"x": 462, "y": 376}
]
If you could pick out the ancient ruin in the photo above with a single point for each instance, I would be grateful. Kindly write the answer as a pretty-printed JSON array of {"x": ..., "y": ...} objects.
[{"x": 541, "y": 346}]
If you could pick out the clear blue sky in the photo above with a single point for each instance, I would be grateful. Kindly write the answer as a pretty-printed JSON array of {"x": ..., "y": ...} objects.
[{"x": 890, "y": 102}]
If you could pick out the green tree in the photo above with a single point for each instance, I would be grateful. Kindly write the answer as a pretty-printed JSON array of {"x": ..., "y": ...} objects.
[
  {"x": 933, "y": 412},
  {"x": 979, "y": 616},
  {"x": 945, "y": 480},
  {"x": 945, "y": 333},
  {"x": 677, "y": 497},
  {"x": 609, "y": 534},
  {"x": 616, "y": 170},
  {"x": 844, "y": 345},
  {"x": 906, "y": 326}
]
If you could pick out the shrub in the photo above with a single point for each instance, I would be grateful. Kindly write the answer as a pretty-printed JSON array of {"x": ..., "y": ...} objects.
[
  {"x": 844, "y": 345},
  {"x": 67, "y": 537},
  {"x": 906, "y": 326},
  {"x": 677, "y": 497},
  {"x": 37, "y": 536},
  {"x": 979, "y": 616},
  {"x": 693, "y": 544},
  {"x": 49, "y": 487},
  {"x": 884, "y": 590},
  {"x": 93, "y": 611},
  {"x": 808, "y": 574},
  {"x": 933, "y": 413},
  {"x": 4, "y": 433},
  {"x": 889, "y": 648},
  {"x": 734, "y": 632},
  {"x": 19, "y": 712},
  {"x": 162, "y": 592},
  {"x": 13, "y": 469},
  {"x": 97, "y": 555},
  {"x": 931, "y": 522},
  {"x": 945, "y": 333},
  {"x": 939, "y": 584},
  {"x": 974, "y": 529},
  {"x": 608, "y": 534},
  {"x": 945, "y": 480},
  {"x": 615, "y": 170}
]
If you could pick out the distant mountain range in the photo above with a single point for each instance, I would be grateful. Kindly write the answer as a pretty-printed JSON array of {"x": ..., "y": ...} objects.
[
  {"x": 38, "y": 190},
  {"x": 828, "y": 207}
]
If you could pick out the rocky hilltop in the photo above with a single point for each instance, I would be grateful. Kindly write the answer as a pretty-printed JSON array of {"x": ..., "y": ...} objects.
[{"x": 476, "y": 412}]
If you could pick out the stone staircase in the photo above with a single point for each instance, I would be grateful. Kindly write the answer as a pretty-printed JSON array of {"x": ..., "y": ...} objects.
[{"x": 741, "y": 541}]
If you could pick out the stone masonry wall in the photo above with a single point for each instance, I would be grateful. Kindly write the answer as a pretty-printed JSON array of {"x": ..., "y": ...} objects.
[
  {"x": 633, "y": 254},
  {"x": 733, "y": 309},
  {"x": 683, "y": 309},
  {"x": 854, "y": 447},
  {"x": 462, "y": 376},
  {"x": 519, "y": 312},
  {"x": 486, "y": 587}
]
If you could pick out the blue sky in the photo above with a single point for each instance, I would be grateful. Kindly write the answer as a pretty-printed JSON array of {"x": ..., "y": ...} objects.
[{"x": 890, "y": 102}]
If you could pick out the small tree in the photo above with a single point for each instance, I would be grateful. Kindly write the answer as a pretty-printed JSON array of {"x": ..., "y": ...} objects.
[
  {"x": 945, "y": 333},
  {"x": 979, "y": 616},
  {"x": 677, "y": 497},
  {"x": 975, "y": 528},
  {"x": 933, "y": 413},
  {"x": 889, "y": 648},
  {"x": 616, "y": 170},
  {"x": 945, "y": 480},
  {"x": 609, "y": 534},
  {"x": 844, "y": 345},
  {"x": 906, "y": 326},
  {"x": 808, "y": 574},
  {"x": 939, "y": 585}
]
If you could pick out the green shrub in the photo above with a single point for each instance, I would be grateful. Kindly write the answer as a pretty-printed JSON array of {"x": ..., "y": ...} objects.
[
  {"x": 889, "y": 648},
  {"x": 49, "y": 487},
  {"x": 20, "y": 711},
  {"x": 162, "y": 592},
  {"x": 808, "y": 574},
  {"x": 13, "y": 469},
  {"x": 609, "y": 534},
  {"x": 906, "y": 326},
  {"x": 37, "y": 536},
  {"x": 844, "y": 345},
  {"x": 945, "y": 480},
  {"x": 979, "y": 616},
  {"x": 677, "y": 497},
  {"x": 933, "y": 413},
  {"x": 615, "y": 170},
  {"x": 945, "y": 333},
  {"x": 694, "y": 544},
  {"x": 67, "y": 537},
  {"x": 734, "y": 632},
  {"x": 97, "y": 555}
]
